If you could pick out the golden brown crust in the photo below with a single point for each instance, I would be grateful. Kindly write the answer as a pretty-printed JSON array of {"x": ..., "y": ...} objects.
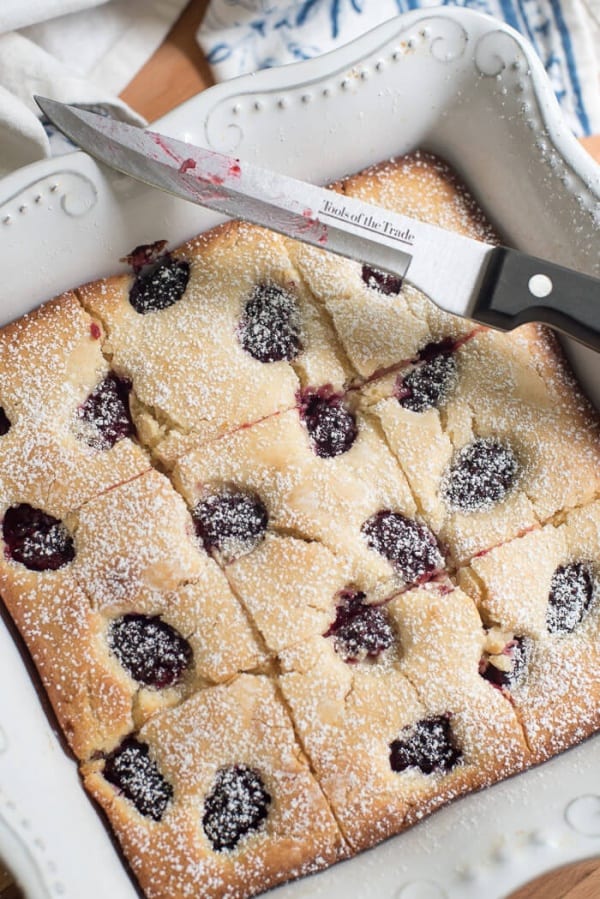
[
  {"x": 423, "y": 186},
  {"x": 90, "y": 695}
]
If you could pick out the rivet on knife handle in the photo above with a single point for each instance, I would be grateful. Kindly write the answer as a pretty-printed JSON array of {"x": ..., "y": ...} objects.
[{"x": 517, "y": 288}]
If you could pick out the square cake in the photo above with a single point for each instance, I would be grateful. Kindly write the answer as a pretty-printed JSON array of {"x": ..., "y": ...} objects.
[{"x": 298, "y": 556}]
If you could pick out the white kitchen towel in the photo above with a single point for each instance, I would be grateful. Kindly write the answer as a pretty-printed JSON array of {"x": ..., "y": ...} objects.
[
  {"x": 78, "y": 51},
  {"x": 19, "y": 13},
  {"x": 240, "y": 36}
]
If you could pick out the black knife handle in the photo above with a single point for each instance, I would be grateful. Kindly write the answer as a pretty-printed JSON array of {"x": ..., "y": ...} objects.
[{"x": 517, "y": 288}]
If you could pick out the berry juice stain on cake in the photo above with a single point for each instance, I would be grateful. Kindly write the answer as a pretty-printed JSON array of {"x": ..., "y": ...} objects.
[
  {"x": 145, "y": 254},
  {"x": 427, "y": 385},
  {"x": 330, "y": 424},
  {"x": 428, "y": 745},
  {"x": 131, "y": 770},
  {"x": 231, "y": 523},
  {"x": 360, "y": 630},
  {"x": 150, "y": 650},
  {"x": 237, "y": 805},
  {"x": 385, "y": 282},
  {"x": 37, "y": 540},
  {"x": 508, "y": 668},
  {"x": 4, "y": 422},
  {"x": 480, "y": 476},
  {"x": 571, "y": 593},
  {"x": 270, "y": 329},
  {"x": 159, "y": 285},
  {"x": 106, "y": 412},
  {"x": 409, "y": 545}
]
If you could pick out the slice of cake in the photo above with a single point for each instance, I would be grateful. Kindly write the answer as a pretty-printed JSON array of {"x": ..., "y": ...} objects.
[
  {"x": 381, "y": 322},
  {"x": 215, "y": 798},
  {"x": 405, "y": 726},
  {"x": 66, "y": 432},
  {"x": 540, "y": 599},
  {"x": 510, "y": 442}
]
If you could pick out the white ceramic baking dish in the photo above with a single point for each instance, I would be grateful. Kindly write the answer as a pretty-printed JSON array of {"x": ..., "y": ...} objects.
[{"x": 448, "y": 80}]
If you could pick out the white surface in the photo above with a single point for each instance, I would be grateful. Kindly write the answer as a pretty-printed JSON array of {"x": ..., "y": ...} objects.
[
  {"x": 453, "y": 83},
  {"x": 18, "y": 13}
]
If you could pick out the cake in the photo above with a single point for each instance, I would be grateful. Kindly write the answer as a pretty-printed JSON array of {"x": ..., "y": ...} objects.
[{"x": 299, "y": 557}]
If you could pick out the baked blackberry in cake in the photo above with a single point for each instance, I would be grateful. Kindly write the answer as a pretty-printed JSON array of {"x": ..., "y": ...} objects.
[
  {"x": 360, "y": 630},
  {"x": 230, "y": 522}
]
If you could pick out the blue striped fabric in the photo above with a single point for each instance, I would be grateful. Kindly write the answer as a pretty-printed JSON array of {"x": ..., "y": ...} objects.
[{"x": 240, "y": 36}]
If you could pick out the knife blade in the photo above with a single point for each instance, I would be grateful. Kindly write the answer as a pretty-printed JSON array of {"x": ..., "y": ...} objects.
[{"x": 496, "y": 286}]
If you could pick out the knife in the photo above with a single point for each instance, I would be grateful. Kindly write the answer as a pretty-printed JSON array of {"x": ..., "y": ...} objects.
[{"x": 496, "y": 286}]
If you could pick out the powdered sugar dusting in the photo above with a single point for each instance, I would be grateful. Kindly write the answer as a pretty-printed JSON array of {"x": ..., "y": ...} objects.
[{"x": 236, "y": 805}]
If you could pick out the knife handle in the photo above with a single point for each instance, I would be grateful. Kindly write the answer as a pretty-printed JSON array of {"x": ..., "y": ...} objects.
[{"x": 517, "y": 288}]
